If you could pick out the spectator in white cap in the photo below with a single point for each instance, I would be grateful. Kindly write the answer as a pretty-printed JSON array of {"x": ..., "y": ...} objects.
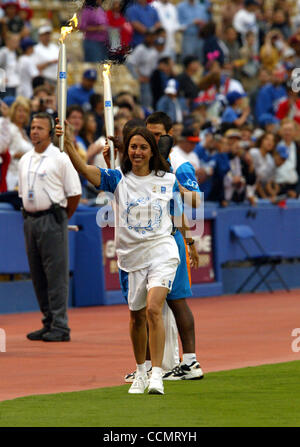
[
  {"x": 169, "y": 102},
  {"x": 46, "y": 54}
]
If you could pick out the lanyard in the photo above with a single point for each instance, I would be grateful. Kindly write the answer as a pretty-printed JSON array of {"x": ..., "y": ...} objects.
[{"x": 30, "y": 188}]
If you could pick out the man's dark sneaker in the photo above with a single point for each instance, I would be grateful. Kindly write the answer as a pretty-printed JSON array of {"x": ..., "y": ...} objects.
[
  {"x": 185, "y": 372},
  {"x": 37, "y": 335},
  {"x": 55, "y": 336}
]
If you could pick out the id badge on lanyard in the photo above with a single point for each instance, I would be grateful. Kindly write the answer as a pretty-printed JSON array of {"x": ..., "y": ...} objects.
[{"x": 31, "y": 195}]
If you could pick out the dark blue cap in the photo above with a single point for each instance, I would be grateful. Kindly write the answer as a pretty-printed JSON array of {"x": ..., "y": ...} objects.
[
  {"x": 26, "y": 43},
  {"x": 268, "y": 118},
  {"x": 234, "y": 96},
  {"x": 282, "y": 150},
  {"x": 90, "y": 74},
  {"x": 9, "y": 100}
]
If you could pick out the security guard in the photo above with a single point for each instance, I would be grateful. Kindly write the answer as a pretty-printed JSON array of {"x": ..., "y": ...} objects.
[{"x": 50, "y": 190}]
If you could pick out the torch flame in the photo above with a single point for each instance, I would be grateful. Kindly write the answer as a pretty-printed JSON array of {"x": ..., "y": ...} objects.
[
  {"x": 65, "y": 30},
  {"x": 106, "y": 68}
]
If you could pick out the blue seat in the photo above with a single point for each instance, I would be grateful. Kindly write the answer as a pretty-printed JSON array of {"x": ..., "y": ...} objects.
[
  {"x": 244, "y": 235},
  {"x": 6, "y": 206}
]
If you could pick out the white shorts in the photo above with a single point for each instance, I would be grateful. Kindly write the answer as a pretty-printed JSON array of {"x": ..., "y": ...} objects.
[{"x": 141, "y": 281}]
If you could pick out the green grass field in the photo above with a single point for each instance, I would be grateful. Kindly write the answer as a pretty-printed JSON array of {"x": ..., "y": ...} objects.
[{"x": 264, "y": 396}]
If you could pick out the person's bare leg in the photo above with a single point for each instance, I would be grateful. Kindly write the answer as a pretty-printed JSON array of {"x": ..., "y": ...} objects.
[
  {"x": 185, "y": 323},
  {"x": 138, "y": 334},
  {"x": 155, "y": 301}
]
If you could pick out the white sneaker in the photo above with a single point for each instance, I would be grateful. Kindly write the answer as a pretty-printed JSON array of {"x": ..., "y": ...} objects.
[
  {"x": 185, "y": 372},
  {"x": 129, "y": 378},
  {"x": 156, "y": 386},
  {"x": 139, "y": 385}
]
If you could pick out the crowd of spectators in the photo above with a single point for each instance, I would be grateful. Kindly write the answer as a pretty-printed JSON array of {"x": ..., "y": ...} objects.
[{"x": 230, "y": 87}]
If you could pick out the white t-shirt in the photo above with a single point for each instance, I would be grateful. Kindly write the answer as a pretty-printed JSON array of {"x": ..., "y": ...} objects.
[
  {"x": 168, "y": 17},
  {"x": 43, "y": 54},
  {"x": 264, "y": 166},
  {"x": 143, "y": 223},
  {"x": 17, "y": 143},
  {"x": 143, "y": 60},
  {"x": 99, "y": 159},
  {"x": 9, "y": 62},
  {"x": 191, "y": 156},
  {"x": 244, "y": 21},
  {"x": 27, "y": 70},
  {"x": 287, "y": 172},
  {"x": 184, "y": 171},
  {"x": 50, "y": 176}
]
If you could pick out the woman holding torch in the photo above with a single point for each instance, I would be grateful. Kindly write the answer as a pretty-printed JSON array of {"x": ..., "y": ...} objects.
[{"x": 143, "y": 189}]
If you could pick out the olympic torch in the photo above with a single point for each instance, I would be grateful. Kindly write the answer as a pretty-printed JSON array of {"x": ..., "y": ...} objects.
[
  {"x": 62, "y": 77},
  {"x": 108, "y": 112}
]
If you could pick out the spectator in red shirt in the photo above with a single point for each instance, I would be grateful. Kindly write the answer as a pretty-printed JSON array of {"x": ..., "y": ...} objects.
[
  {"x": 120, "y": 31},
  {"x": 289, "y": 107}
]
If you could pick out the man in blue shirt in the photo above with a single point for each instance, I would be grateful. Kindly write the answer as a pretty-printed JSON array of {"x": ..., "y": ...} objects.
[
  {"x": 270, "y": 95},
  {"x": 234, "y": 113},
  {"x": 192, "y": 16},
  {"x": 80, "y": 94},
  {"x": 206, "y": 152},
  {"x": 143, "y": 17}
]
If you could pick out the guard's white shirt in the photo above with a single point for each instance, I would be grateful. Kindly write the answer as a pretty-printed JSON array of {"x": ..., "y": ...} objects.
[
  {"x": 27, "y": 70},
  {"x": 287, "y": 172},
  {"x": 50, "y": 175},
  {"x": 43, "y": 54}
]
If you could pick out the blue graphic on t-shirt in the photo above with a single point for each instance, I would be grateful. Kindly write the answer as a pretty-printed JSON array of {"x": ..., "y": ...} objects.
[{"x": 132, "y": 215}]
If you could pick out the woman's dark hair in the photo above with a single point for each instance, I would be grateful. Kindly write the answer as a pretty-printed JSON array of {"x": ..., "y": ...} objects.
[
  {"x": 160, "y": 118},
  {"x": 156, "y": 163},
  {"x": 74, "y": 108},
  {"x": 260, "y": 140},
  {"x": 90, "y": 4},
  {"x": 208, "y": 30},
  {"x": 83, "y": 131},
  {"x": 95, "y": 98},
  {"x": 132, "y": 124}
]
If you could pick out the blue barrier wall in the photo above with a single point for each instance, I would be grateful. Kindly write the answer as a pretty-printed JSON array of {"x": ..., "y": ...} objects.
[{"x": 277, "y": 229}]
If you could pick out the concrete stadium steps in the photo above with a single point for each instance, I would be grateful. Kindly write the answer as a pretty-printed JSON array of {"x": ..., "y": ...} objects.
[{"x": 121, "y": 79}]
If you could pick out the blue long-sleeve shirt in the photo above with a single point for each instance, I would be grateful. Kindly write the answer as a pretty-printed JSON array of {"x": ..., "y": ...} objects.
[
  {"x": 147, "y": 15},
  {"x": 188, "y": 12},
  {"x": 267, "y": 100}
]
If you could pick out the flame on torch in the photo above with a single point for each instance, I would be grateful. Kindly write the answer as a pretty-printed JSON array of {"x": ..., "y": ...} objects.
[
  {"x": 65, "y": 30},
  {"x": 106, "y": 68}
]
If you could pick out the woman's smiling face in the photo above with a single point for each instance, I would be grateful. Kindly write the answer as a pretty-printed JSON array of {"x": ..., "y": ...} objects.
[{"x": 139, "y": 152}]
